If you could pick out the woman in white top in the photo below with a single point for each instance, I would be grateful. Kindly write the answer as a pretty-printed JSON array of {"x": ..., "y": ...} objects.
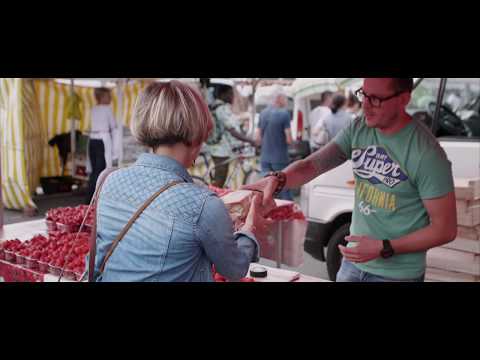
[
  {"x": 101, "y": 137},
  {"x": 318, "y": 134}
]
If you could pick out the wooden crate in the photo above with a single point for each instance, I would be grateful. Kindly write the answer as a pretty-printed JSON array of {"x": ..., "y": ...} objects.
[
  {"x": 467, "y": 189},
  {"x": 454, "y": 260},
  {"x": 468, "y": 212},
  {"x": 465, "y": 245},
  {"x": 439, "y": 275}
]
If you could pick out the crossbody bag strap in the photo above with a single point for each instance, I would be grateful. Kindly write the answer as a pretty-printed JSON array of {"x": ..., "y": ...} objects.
[
  {"x": 93, "y": 235},
  {"x": 132, "y": 220}
]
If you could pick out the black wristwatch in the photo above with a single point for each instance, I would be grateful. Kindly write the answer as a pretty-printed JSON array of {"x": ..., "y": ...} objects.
[{"x": 388, "y": 250}]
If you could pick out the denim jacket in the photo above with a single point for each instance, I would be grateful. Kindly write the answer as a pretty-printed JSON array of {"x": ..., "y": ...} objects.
[{"x": 177, "y": 238}]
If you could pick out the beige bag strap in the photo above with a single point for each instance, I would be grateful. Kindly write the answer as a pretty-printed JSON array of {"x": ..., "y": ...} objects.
[
  {"x": 93, "y": 236},
  {"x": 132, "y": 220}
]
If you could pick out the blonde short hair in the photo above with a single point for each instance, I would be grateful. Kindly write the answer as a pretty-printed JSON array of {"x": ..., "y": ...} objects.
[{"x": 171, "y": 113}]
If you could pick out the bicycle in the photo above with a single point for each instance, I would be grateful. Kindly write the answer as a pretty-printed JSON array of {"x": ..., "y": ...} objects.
[{"x": 245, "y": 160}]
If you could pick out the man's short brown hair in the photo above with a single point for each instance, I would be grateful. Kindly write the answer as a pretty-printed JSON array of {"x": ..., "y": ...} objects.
[{"x": 402, "y": 84}]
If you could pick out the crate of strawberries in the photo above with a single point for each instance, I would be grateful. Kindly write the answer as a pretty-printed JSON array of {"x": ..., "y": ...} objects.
[
  {"x": 288, "y": 224},
  {"x": 49, "y": 254},
  {"x": 69, "y": 219}
]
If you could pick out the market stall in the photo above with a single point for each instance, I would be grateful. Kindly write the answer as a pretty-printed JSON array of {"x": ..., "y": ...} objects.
[{"x": 34, "y": 111}]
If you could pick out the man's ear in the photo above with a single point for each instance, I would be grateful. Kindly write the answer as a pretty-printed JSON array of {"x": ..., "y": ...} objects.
[{"x": 406, "y": 98}]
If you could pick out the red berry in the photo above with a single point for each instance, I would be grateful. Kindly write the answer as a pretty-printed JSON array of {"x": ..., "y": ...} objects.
[{"x": 219, "y": 278}]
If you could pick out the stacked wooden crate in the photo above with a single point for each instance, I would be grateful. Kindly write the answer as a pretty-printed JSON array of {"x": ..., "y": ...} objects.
[{"x": 459, "y": 261}]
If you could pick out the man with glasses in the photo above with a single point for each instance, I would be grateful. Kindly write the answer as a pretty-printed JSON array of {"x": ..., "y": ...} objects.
[{"x": 404, "y": 192}]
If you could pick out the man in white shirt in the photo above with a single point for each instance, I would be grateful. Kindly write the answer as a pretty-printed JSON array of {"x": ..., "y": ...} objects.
[
  {"x": 340, "y": 118},
  {"x": 316, "y": 119}
]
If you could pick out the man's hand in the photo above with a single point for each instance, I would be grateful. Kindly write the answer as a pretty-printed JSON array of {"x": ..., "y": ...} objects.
[
  {"x": 267, "y": 185},
  {"x": 367, "y": 249}
]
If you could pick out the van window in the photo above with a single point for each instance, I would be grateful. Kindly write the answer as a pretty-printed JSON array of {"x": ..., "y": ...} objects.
[{"x": 460, "y": 111}]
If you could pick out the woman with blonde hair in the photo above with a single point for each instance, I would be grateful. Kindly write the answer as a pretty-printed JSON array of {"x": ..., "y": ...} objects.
[{"x": 184, "y": 228}]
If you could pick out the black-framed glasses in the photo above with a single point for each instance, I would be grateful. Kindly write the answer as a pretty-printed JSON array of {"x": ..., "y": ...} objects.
[{"x": 375, "y": 101}]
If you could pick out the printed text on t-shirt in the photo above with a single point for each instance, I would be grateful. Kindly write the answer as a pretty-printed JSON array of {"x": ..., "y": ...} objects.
[{"x": 375, "y": 165}]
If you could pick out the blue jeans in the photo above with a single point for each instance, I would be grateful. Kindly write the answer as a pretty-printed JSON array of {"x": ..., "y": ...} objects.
[
  {"x": 268, "y": 167},
  {"x": 350, "y": 273}
]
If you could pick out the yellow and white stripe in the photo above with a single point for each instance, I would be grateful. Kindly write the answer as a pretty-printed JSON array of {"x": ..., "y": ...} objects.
[
  {"x": 14, "y": 124},
  {"x": 34, "y": 136}
]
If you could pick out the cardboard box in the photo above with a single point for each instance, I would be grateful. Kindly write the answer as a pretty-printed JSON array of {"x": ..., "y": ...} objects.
[
  {"x": 454, "y": 260},
  {"x": 467, "y": 189},
  {"x": 465, "y": 245},
  {"x": 468, "y": 213},
  {"x": 440, "y": 275},
  {"x": 465, "y": 232}
]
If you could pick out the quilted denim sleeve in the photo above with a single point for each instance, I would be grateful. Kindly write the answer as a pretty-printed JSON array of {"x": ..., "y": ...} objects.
[{"x": 231, "y": 254}]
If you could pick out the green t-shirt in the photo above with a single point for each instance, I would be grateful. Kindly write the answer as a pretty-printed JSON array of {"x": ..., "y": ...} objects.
[{"x": 393, "y": 175}]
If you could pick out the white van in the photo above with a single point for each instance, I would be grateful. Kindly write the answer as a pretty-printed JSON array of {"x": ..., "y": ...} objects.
[{"x": 328, "y": 200}]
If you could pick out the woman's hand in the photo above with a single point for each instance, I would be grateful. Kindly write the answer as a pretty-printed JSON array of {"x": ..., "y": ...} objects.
[
  {"x": 255, "y": 222},
  {"x": 267, "y": 185}
]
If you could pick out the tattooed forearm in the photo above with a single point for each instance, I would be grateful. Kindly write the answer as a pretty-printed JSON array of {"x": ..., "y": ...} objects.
[
  {"x": 303, "y": 171},
  {"x": 328, "y": 158}
]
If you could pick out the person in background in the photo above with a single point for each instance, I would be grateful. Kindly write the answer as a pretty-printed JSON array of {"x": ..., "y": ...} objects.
[
  {"x": 100, "y": 147},
  {"x": 185, "y": 230},
  {"x": 316, "y": 120},
  {"x": 274, "y": 135},
  {"x": 340, "y": 118},
  {"x": 354, "y": 106},
  {"x": 229, "y": 132}
]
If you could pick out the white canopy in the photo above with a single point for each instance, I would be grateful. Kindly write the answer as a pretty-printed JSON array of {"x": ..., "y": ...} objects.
[{"x": 311, "y": 86}]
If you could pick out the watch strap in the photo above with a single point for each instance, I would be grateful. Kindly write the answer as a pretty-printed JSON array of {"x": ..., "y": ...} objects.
[{"x": 282, "y": 180}]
